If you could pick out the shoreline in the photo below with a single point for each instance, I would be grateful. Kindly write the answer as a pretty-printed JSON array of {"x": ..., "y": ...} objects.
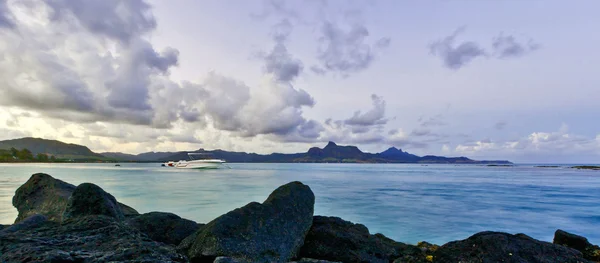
[{"x": 63, "y": 210}]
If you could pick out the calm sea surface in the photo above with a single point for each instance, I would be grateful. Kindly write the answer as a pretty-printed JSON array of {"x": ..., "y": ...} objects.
[{"x": 408, "y": 203}]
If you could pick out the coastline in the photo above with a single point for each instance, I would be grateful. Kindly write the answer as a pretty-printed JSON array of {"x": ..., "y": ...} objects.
[{"x": 295, "y": 194}]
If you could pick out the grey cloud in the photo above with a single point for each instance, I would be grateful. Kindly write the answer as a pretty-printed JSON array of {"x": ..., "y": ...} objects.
[
  {"x": 276, "y": 7},
  {"x": 437, "y": 120},
  {"x": 6, "y": 19},
  {"x": 383, "y": 42},
  {"x": 68, "y": 134},
  {"x": 186, "y": 137},
  {"x": 318, "y": 70},
  {"x": 91, "y": 84},
  {"x": 116, "y": 19},
  {"x": 279, "y": 61},
  {"x": 421, "y": 132},
  {"x": 129, "y": 89},
  {"x": 508, "y": 47},
  {"x": 500, "y": 125},
  {"x": 375, "y": 116},
  {"x": 6, "y": 134},
  {"x": 347, "y": 51},
  {"x": 454, "y": 56}
]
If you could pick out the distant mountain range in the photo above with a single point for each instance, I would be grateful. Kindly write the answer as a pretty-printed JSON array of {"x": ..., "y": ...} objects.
[{"x": 332, "y": 153}]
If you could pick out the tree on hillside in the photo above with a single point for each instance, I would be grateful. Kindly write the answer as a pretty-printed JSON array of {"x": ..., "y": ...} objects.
[
  {"x": 25, "y": 154},
  {"x": 14, "y": 151},
  {"x": 42, "y": 157},
  {"x": 52, "y": 158}
]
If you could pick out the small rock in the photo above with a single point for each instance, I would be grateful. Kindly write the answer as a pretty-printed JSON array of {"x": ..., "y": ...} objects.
[
  {"x": 334, "y": 239},
  {"x": 269, "y": 232},
  {"x": 589, "y": 251},
  {"x": 30, "y": 222},
  {"x": 164, "y": 227},
  {"x": 488, "y": 247},
  {"x": 90, "y": 199}
]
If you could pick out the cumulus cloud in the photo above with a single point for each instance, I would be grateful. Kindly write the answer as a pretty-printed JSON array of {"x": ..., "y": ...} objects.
[
  {"x": 508, "y": 47},
  {"x": 454, "y": 56},
  {"x": 88, "y": 61},
  {"x": 346, "y": 50},
  {"x": 375, "y": 116},
  {"x": 279, "y": 61},
  {"x": 116, "y": 19}
]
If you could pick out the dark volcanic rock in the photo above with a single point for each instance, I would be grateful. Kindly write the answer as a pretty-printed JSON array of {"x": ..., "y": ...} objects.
[
  {"x": 43, "y": 194},
  {"x": 302, "y": 260},
  {"x": 493, "y": 247},
  {"x": 310, "y": 260},
  {"x": 269, "y": 232},
  {"x": 334, "y": 239},
  {"x": 127, "y": 210},
  {"x": 30, "y": 222},
  {"x": 94, "y": 238},
  {"x": 589, "y": 251},
  {"x": 164, "y": 227},
  {"x": 90, "y": 199}
]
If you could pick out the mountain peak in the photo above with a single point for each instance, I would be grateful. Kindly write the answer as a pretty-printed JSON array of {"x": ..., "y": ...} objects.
[{"x": 331, "y": 144}]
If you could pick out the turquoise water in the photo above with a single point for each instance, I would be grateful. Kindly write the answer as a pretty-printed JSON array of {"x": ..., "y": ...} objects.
[{"x": 408, "y": 203}]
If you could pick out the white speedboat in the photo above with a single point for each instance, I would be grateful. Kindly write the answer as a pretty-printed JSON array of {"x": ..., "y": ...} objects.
[{"x": 199, "y": 163}]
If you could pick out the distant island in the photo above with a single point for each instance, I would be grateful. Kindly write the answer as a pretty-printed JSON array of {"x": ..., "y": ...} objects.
[{"x": 42, "y": 150}]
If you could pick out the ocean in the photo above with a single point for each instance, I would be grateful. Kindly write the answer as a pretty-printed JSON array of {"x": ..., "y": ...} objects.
[{"x": 406, "y": 202}]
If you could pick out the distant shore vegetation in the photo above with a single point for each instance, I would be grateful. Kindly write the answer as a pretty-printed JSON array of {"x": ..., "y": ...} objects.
[{"x": 24, "y": 155}]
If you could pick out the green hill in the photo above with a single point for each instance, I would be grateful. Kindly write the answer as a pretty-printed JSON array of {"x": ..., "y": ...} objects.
[{"x": 52, "y": 147}]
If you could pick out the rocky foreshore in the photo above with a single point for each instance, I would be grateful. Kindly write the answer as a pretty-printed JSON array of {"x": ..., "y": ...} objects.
[{"x": 60, "y": 222}]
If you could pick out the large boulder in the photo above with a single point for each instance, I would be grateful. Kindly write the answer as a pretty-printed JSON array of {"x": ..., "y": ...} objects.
[
  {"x": 269, "y": 232},
  {"x": 94, "y": 239},
  {"x": 164, "y": 227},
  {"x": 493, "y": 247},
  {"x": 589, "y": 251},
  {"x": 43, "y": 194},
  {"x": 334, "y": 239},
  {"x": 90, "y": 199}
]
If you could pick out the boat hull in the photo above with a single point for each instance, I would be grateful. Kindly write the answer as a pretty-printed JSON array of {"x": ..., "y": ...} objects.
[{"x": 199, "y": 165}]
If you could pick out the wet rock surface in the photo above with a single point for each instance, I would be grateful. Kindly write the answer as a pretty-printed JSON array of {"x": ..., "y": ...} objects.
[
  {"x": 95, "y": 238},
  {"x": 90, "y": 199},
  {"x": 334, "y": 239},
  {"x": 492, "y": 247},
  {"x": 164, "y": 227},
  {"x": 269, "y": 232},
  {"x": 581, "y": 244}
]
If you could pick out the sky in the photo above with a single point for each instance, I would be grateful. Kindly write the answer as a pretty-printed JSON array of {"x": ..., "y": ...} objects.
[{"x": 514, "y": 80}]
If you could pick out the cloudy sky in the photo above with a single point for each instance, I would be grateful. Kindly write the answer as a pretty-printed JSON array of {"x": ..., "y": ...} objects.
[{"x": 515, "y": 80}]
